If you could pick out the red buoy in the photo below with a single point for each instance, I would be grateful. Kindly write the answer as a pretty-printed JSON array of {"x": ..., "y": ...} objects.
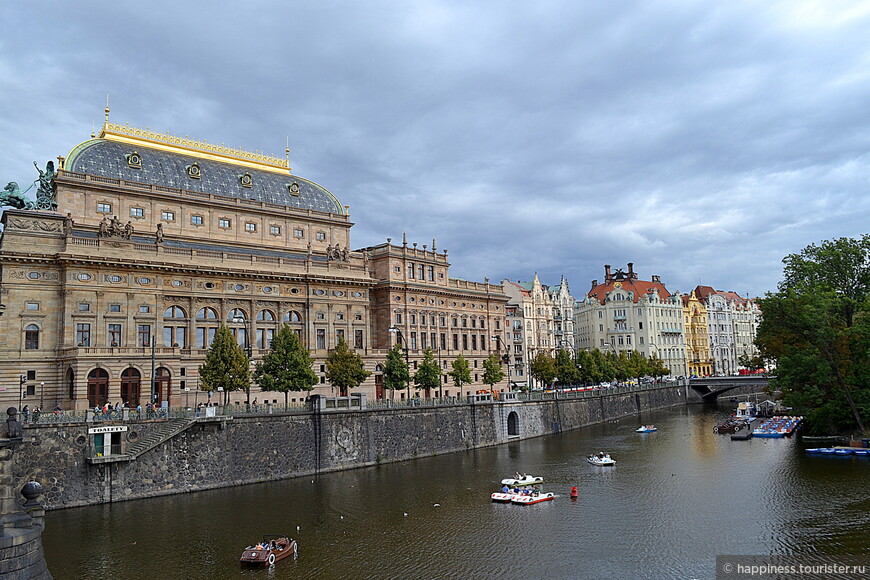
[{"x": 573, "y": 492}]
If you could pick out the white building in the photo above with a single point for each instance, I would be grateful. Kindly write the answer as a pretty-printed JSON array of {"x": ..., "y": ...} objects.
[{"x": 625, "y": 313}]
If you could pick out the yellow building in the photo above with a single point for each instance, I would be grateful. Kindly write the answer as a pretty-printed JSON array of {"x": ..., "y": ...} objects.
[
  {"x": 700, "y": 362},
  {"x": 157, "y": 240}
]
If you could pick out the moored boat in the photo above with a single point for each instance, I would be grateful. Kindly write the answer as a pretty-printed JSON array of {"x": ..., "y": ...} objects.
[
  {"x": 269, "y": 551},
  {"x": 813, "y": 451},
  {"x": 646, "y": 429},
  {"x": 843, "y": 451},
  {"x": 502, "y": 496}
]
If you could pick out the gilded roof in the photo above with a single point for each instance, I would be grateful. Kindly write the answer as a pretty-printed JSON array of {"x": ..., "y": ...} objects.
[{"x": 170, "y": 167}]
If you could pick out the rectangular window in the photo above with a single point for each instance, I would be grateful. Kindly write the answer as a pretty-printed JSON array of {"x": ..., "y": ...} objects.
[
  {"x": 413, "y": 318},
  {"x": 473, "y": 342},
  {"x": 224, "y": 223},
  {"x": 321, "y": 236},
  {"x": 443, "y": 339},
  {"x": 443, "y": 321},
  {"x": 32, "y": 306},
  {"x": 298, "y": 233},
  {"x": 455, "y": 342},
  {"x": 84, "y": 307},
  {"x": 196, "y": 220},
  {"x": 321, "y": 338},
  {"x": 167, "y": 216},
  {"x": 137, "y": 212},
  {"x": 358, "y": 338},
  {"x": 144, "y": 309},
  {"x": 114, "y": 308},
  {"x": 83, "y": 334},
  {"x": 432, "y": 342},
  {"x": 413, "y": 341},
  {"x": 398, "y": 318},
  {"x": 464, "y": 323},
  {"x": 455, "y": 323},
  {"x": 423, "y": 340},
  {"x": 114, "y": 335},
  {"x": 411, "y": 271},
  {"x": 250, "y": 227},
  {"x": 104, "y": 208},
  {"x": 339, "y": 335},
  {"x": 464, "y": 342},
  {"x": 264, "y": 337},
  {"x": 144, "y": 335},
  {"x": 275, "y": 230},
  {"x": 420, "y": 269},
  {"x": 430, "y": 274}
]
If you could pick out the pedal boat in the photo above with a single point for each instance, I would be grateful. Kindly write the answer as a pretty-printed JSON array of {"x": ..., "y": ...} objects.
[{"x": 269, "y": 551}]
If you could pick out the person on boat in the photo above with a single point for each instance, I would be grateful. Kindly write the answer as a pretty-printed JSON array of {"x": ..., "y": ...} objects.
[
  {"x": 505, "y": 489},
  {"x": 517, "y": 475}
]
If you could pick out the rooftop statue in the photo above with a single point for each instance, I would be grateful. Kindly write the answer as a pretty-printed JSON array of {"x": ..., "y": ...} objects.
[
  {"x": 14, "y": 197},
  {"x": 45, "y": 196}
]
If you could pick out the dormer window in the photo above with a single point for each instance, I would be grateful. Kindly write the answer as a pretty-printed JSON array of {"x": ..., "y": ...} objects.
[
  {"x": 246, "y": 180},
  {"x": 193, "y": 171},
  {"x": 293, "y": 189},
  {"x": 134, "y": 161}
]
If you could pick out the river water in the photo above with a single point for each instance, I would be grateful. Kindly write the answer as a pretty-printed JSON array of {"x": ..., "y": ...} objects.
[{"x": 675, "y": 499}]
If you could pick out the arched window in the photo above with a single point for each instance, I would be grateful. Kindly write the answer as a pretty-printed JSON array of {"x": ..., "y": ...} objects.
[
  {"x": 206, "y": 314},
  {"x": 265, "y": 316},
  {"x": 175, "y": 312},
  {"x": 292, "y": 316},
  {"x": 98, "y": 387},
  {"x": 31, "y": 337},
  {"x": 131, "y": 384},
  {"x": 236, "y": 315}
]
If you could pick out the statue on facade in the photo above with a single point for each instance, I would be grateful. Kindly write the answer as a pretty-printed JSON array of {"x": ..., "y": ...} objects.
[
  {"x": 14, "y": 197},
  {"x": 158, "y": 236},
  {"x": 116, "y": 228},
  {"x": 345, "y": 254},
  {"x": 329, "y": 255},
  {"x": 127, "y": 234},
  {"x": 68, "y": 225},
  {"x": 104, "y": 228},
  {"x": 45, "y": 195}
]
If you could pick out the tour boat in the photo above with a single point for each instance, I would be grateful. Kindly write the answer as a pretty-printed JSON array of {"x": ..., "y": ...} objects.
[
  {"x": 601, "y": 459},
  {"x": 269, "y": 551},
  {"x": 827, "y": 451},
  {"x": 813, "y": 451},
  {"x": 646, "y": 429},
  {"x": 842, "y": 451},
  {"x": 532, "y": 498},
  {"x": 521, "y": 481},
  {"x": 862, "y": 452}
]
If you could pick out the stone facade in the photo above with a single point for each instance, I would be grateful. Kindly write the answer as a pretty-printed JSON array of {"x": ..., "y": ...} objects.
[{"x": 219, "y": 453}]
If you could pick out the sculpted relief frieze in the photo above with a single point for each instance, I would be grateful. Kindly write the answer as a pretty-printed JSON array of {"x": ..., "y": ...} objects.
[{"x": 34, "y": 225}]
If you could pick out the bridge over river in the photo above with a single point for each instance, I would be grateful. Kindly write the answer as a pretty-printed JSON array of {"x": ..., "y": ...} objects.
[{"x": 708, "y": 389}]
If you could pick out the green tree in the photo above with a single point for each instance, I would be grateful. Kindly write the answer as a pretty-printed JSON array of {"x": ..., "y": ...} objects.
[
  {"x": 656, "y": 367},
  {"x": 345, "y": 368},
  {"x": 428, "y": 375},
  {"x": 543, "y": 368},
  {"x": 566, "y": 368},
  {"x": 637, "y": 365},
  {"x": 397, "y": 375},
  {"x": 461, "y": 373},
  {"x": 287, "y": 366},
  {"x": 226, "y": 365},
  {"x": 815, "y": 330},
  {"x": 492, "y": 372}
]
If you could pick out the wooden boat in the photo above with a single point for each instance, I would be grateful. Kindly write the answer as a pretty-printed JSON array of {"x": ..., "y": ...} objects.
[{"x": 269, "y": 551}]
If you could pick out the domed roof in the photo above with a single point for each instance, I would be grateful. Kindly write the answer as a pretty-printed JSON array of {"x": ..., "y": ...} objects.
[{"x": 185, "y": 168}]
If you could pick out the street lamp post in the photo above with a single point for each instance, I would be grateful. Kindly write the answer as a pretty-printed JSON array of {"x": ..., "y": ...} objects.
[
  {"x": 395, "y": 330},
  {"x": 21, "y": 380},
  {"x": 507, "y": 355},
  {"x": 41, "y": 394}
]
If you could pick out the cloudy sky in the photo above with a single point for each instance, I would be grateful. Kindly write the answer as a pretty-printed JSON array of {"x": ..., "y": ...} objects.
[{"x": 702, "y": 141}]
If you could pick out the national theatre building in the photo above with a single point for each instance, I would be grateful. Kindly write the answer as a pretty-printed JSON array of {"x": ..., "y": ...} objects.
[{"x": 141, "y": 244}]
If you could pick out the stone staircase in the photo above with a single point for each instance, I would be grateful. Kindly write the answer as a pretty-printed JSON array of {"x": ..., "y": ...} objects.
[{"x": 157, "y": 436}]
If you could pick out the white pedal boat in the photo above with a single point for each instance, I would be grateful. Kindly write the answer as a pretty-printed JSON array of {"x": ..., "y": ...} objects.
[
  {"x": 521, "y": 481},
  {"x": 601, "y": 459},
  {"x": 530, "y": 499}
]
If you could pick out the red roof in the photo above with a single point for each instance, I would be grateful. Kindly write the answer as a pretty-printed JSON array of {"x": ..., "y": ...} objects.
[{"x": 638, "y": 287}]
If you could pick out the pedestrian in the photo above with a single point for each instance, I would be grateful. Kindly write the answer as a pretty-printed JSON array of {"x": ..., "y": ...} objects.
[{"x": 25, "y": 410}]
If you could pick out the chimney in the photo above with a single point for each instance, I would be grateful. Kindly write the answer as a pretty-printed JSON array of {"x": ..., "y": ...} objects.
[
  {"x": 607, "y": 276},
  {"x": 594, "y": 283},
  {"x": 631, "y": 274},
  {"x": 656, "y": 278}
]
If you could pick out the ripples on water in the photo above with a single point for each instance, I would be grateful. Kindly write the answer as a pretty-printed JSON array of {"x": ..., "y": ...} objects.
[{"x": 675, "y": 499}]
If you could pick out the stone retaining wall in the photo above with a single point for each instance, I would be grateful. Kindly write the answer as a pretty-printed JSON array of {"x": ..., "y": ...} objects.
[{"x": 251, "y": 449}]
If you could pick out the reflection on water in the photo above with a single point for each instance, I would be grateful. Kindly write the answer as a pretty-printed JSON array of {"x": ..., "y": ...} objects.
[{"x": 676, "y": 499}]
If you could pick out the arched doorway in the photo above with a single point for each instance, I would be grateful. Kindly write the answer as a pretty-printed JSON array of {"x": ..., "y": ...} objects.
[
  {"x": 379, "y": 382},
  {"x": 163, "y": 380},
  {"x": 131, "y": 386},
  {"x": 513, "y": 425},
  {"x": 98, "y": 387}
]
